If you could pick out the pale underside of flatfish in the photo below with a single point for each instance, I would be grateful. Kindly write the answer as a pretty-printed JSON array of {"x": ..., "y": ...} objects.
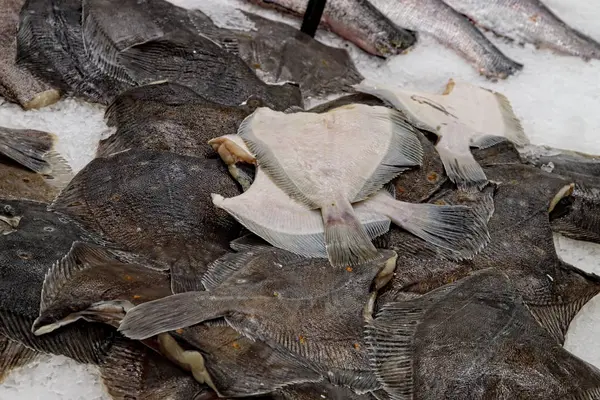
[
  {"x": 463, "y": 116},
  {"x": 328, "y": 161},
  {"x": 272, "y": 214}
]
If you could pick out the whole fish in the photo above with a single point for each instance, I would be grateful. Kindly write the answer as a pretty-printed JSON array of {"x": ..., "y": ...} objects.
[
  {"x": 437, "y": 19},
  {"x": 355, "y": 20},
  {"x": 528, "y": 21},
  {"x": 17, "y": 84}
]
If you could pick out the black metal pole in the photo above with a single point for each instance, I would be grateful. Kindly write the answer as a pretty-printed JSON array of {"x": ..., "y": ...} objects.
[{"x": 312, "y": 16}]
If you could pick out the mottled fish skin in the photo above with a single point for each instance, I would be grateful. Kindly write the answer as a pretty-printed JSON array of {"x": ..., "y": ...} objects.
[
  {"x": 357, "y": 21},
  {"x": 207, "y": 68},
  {"x": 157, "y": 204},
  {"x": 16, "y": 83},
  {"x": 32, "y": 240},
  {"x": 435, "y": 18},
  {"x": 528, "y": 21},
  {"x": 521, "y": 243},
  {"x": 50, "y": 45},
  {"x": 278, "y": 52},
  {"x": 169, "y": 117},
  {"x": 473, "y": 339}
]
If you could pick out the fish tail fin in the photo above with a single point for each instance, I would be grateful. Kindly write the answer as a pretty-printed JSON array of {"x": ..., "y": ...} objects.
[
  {"x": 35, "y": 151},
  {"x": 167, "y": 314},
  {"x": 346, "y": 240},
  {"x": 460, "y": 165},
  {"x": 458, "y": 231}
]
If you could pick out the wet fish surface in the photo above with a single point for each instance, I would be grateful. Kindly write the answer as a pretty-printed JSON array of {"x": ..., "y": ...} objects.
[
  {"x": 521, "y": 243},
  {"x": 50, "y": 45},
  {"x": 278, "y": 52},
  {"x": 357, "y": 21},
  {"x": 169, "y": 117},
  {"x": 156, "y": 204},
  {"x": 32, "y": 240},
  {"x": 528, "y": 21},
  {"x": 207, "y": 68},
  {"x": 435, "y": 18},
  {"x": 16, "y": 83},
  {"x": 473, "y": 339}
]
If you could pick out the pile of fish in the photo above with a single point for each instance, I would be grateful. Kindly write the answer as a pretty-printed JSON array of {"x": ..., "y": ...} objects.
[
  {"x": 388, "y": 27},
  {"x": 226, "y": 242}
]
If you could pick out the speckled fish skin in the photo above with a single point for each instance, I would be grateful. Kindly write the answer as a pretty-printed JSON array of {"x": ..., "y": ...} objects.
[
  {"x": 521, "y": 243},
  {"x": 278, "y": 52},
  {"x": 32, "y": 240},
  {"x": 528, "y": 21},
  {"x": 357, "y": 21},
  {"x": 169, "y": 117},
  {"x": 17, "y": 84},
  {"x": 452, "y": 29},
  {"x": 473, "y": 339}
]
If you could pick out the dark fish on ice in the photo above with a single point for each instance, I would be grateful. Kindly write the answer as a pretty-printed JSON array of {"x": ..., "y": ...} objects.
[
  {"x": 207, "y": 68},
  {"x": 50, "y": 45},
  {"x": 101, "y": 285},
  {"x": 34, "y": 150},
  {"x": 355, "y": 20},
  {"x": 272, "y": 293},
  {"x": 13, "y": 355},
  {"x": 32, "y": 240},
  {"x": 169, "y": 117},
  {"x": 278, "y": 52},
  {"x": 473, "y": 339},
  {"x": 435, "y": 18},
  {"x": 521, "y": 243},
  {"x": 528, "y": 21},
  {"x": 157, "y": 204},
  {"x": 16, "y": 83}
]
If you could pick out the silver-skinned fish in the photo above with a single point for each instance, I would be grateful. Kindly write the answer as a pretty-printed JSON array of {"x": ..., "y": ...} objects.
[
  {"x": 355, "y": 20},
  {"x": 435, "y": 18},
  {"x": 528, "y": 21}
]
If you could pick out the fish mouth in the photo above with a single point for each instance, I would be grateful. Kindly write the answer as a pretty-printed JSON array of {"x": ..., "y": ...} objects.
[
  {"x": 107, "y": 312},
  {"x": 564, "y": 192}
]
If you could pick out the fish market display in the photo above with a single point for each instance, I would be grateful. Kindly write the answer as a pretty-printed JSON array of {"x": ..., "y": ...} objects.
[
  {"x": 17, "y": 84},
  {"x": 262, "y": 222},
  {"x": 528, "y": 21},
  {"x": 357, "y": 21},
  {"x": 452, "y": 29},
  {"x": 452, "y": 117},
  {"x": 370, "y": 145}
]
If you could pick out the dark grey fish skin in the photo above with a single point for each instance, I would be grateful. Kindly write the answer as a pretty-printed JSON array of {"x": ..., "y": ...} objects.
[
  {"x": 157, "y": 204},
  {"x": 322, "y": 390},
  {"x": 17, "y": 84},
  {"x": 528, "y": 21},
  {"x": 577, "y": 215},
  {"x": 131, "y": 371},
  {"x": 270, "y": 295},
  {"x": 170, "y": 117},
  {"x": 50, "y": 45},
  {"x": 13, "y": 355},
  {"x": 278, "y": 52},
  {"x": 473, "y": 339},
  {"x": 32, "y": 240},
  {"x": 355, "y": 20},
  {"x": 207, "y": 68},
  {"x": 521, "y": 243},
  {"x": 435, "y": 18},
  {"x": 563, "y": 162}
]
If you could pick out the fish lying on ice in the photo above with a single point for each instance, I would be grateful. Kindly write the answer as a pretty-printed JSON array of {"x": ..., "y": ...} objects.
[
  {"x": 270, "y": 213},
  {"x": 452, "y": 29},
  {"x": 355, "y": 20},
  {"x": 329, "y": 161},
  {"x": 528, "y": 21},
  {"x": 278, "y": 52},
  {"x": 16, "y": 83},
  {"x": 464, "y": 116},
  {"x": 156, "y": 204},
  {"x": 169, "y": 117},
  {"x": 473, "y": 339}
]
